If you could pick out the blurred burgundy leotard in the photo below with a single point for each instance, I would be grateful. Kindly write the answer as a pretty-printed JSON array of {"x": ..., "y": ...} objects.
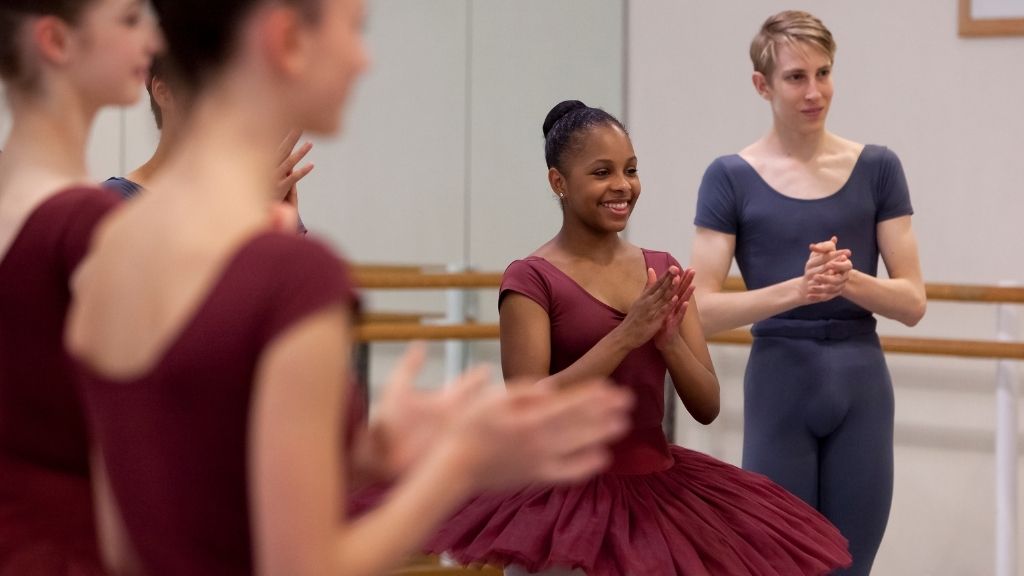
[
  {"x": 175, "y": 439},
  {"x": 46, "y": 519}
]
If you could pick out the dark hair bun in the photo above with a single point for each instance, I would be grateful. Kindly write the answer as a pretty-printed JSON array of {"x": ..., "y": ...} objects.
[
  {"x": 565, "y": 126},
  {"x": 561, "y": 109}
]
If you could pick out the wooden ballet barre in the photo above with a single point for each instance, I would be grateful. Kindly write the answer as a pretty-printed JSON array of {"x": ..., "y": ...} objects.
[
  {"x": 397, "y": 268},
  {"x": 975, "y": 293},
  {"x": 921, "y": 346},
  {"x": 948, "y": 347},
  {"x": 374, "y": 317},
  {"x": 400, "y": 331},
  {"x": 411, "y": 278},
  {"x": 937, "y": 292}
]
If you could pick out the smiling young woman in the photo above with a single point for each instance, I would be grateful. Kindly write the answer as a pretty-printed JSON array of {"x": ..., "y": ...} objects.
[{"x": 588, "y": 303}]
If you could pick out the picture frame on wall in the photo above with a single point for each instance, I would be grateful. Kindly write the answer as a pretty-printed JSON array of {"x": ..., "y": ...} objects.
[{"x": 991, "y": 18}]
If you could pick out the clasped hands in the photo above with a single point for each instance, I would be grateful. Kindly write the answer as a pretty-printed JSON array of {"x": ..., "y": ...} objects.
[
  {"x": 826, "y": 272},
  {"x": 659, "y": 311}
]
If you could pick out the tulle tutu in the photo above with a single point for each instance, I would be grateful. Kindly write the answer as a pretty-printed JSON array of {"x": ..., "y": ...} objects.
[{"x": 698, "y": 516}]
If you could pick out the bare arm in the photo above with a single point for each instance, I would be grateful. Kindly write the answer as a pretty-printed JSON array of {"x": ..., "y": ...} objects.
[
  {"x": 494, "y": 440},
  {"x": 525, "y": 334},
  {"x": 824, "y": 275},
  {"x": 712, "y": 258},
  {"x": 525, "y": 331},
  {"x": 526, "y": 343},
  {"x": 685, "y": 351},
  {"x": 902, "y": 295},
  {"x": 297, "y": 473}
]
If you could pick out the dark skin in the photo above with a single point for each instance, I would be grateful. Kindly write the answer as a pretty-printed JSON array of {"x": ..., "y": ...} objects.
[{"x": 598, "y": 186}]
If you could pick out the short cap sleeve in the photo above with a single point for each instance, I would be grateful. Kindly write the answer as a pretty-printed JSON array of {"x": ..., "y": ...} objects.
[
  {"x": 523, "y": 277},
  {"x": 309, "y": 277},
  {"x": 892, "y": 195},
  {"x": 716, "y": 200}
]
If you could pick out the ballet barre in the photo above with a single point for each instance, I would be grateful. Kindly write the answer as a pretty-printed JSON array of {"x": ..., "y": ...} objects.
[
  {"x": 403, "y": 331},
  {"x": 383, "y": 277},
  {"x": 399, "y": 326},
  {"x": 936, "y": 291}
]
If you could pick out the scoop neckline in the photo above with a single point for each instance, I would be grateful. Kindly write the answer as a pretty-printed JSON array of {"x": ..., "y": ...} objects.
[
  {"x": 580, "y": 287},
  {"x": 837, "y": 193},
  {"x": 188, "y": 323}
]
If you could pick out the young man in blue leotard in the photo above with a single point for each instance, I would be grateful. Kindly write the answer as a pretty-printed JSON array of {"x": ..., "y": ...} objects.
[{"x": 806, "y": 215}]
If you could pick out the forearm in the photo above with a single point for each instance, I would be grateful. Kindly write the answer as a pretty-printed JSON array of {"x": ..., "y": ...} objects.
[
  {"x": 722, "y": 311},
  {"x": 695, "y": 383},
  {"x": 900, "y": 299},
  {"x": 599, "y": 362},
  {"x": 408, "y": 517}
]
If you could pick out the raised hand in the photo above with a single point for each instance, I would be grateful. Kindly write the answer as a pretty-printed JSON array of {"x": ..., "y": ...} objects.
[
  {"x": 647, "y": 315},
  {"x": 669, "y": 335},
  {"x": 532, "y": 432},
  {"x": 407, "y": 421},
  {"x": 536, "y": 433},
  {"x": 287, "y": 176},
  {"x": 826, "y": 272}
]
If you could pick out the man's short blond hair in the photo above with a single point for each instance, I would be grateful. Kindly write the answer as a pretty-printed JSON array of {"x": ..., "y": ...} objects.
[{"x": 791, "y": 27}]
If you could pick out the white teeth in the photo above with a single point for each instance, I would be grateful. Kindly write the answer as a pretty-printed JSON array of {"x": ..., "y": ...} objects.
[{"x": 616, "y": 205}]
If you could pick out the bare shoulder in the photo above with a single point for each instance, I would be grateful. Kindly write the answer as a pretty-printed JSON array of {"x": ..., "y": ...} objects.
[
  {"x": 845, "y": 149},
  {"x": 549, "y": 251},
  {"x": 756, "y": 154}
]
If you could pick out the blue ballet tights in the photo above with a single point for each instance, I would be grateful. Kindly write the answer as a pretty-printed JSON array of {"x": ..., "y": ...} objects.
[{"x": 818, "y": 420}]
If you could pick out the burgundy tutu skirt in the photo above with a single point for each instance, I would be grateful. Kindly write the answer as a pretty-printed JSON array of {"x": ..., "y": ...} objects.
[
  {"x": 694, "y": 516},
  {"x": 46, "y": 523}
]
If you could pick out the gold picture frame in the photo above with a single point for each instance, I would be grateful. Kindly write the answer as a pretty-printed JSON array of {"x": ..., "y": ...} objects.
[{"x": 993, "y": 26}]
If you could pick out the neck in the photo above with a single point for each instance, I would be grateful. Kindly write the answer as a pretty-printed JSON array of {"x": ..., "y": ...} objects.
[
  {"x": 803, "y": 146},
  {"x": 589, "y": 244},
  {"x": 226, "y": 160},
  {"x": 48, "y": 138},
  {"x": 143, "y": 175}
]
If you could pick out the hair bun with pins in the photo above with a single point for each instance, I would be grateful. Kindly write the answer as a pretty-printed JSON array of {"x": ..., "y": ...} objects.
[
  {"x": 565, "y": 126},
  {"x": 559, "y": 111}
]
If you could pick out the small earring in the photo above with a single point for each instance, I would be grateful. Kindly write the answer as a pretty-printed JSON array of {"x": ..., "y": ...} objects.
[{"x": 561, "y": 195}]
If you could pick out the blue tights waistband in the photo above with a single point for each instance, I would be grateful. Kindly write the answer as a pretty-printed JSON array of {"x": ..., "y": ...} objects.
[{"x": 826, "y": 329}]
